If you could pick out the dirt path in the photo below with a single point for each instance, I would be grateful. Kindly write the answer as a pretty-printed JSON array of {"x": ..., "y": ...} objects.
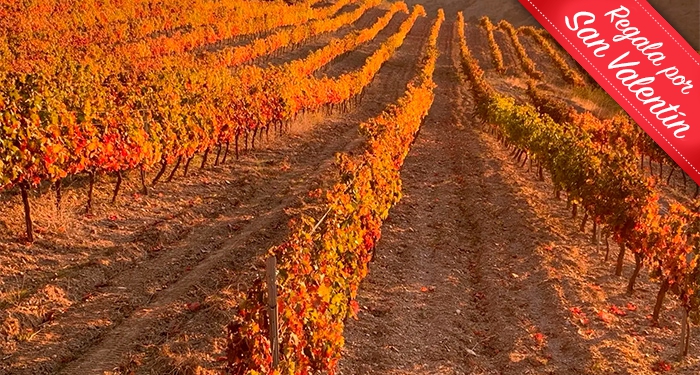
[
  {"x": 442, "y": 285},
  {"x": 478, "y": 45},
  {"x": 510, "y": 57},
  {"x": 481, "y": 271},
  {"x": 543, "y": 63}
]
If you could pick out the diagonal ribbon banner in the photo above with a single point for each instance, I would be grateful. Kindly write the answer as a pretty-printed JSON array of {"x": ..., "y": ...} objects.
[{"x": 640, "y": 60}]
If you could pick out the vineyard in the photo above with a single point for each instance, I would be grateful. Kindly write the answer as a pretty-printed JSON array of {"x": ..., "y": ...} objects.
[{"x": 339, "y": 187}]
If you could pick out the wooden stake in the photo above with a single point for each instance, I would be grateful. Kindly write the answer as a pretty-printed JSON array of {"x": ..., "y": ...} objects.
[
  {"x": 271, "y": 271},
  {"x": 24, "y": 186},
  {"x": 594, "y": 240}
]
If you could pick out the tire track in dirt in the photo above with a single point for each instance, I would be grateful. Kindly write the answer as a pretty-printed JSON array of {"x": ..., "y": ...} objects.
[
  {"x": 458, "y": 285},
  {"x": 151, "y": 320}
]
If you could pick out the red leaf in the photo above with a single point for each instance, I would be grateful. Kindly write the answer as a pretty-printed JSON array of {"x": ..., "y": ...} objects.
[
  {"x": 605, "y": 317},
  {"x": 631, "y": 307},
  {"x": 617, "y": 311},
  {"x": 661, "y": 366},
  {"x": 354, "y": 309},
  {"x": 539, "y": 338}
]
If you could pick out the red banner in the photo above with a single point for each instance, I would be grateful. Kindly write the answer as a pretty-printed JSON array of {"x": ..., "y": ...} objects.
[{"x": 640, "y": 60}]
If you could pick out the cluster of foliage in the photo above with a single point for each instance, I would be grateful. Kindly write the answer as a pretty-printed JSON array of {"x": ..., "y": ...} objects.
[
  {"x": 569, "y": 74},
  {"x": 493, "y": 46},
  {"x": 620, "y": 131},
  {"x": 525, "y": 60},
  {"x": 81, "y": 116},
  {"x": 323, "y": 262},
  {"x": 594, "y": 163}
]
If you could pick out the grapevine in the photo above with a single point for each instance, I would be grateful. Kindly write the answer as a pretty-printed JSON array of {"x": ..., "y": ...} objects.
[
  {"x": 493, "y": 46},
  {"x": 604, "y": 180},
  {"x": 569, "y": 74},
  {"x": 527, "y": 63},
  {"x": 322, "y": 264}
]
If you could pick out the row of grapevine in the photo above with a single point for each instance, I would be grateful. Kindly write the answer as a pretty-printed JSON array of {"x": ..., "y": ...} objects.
[
  {"x": 285, "y": 38},
  {"x": 607, "y": 183},
  {"x": 35, "y": 44},
  {"x": 620, "y": 131},
  {"x": 223, "y": 30},
  {"x": 525, "y": 61},
  {"x": 569, "y": 74},
  {"x": 336, "y": 47},
  {"x": 79, "y": 121},
  {"x": 493, "y": 46},
  {"x": 323, "y": 262}
]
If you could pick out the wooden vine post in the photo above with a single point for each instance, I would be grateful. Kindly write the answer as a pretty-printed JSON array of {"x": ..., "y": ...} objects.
[
  {"x": 24, "y": 187},
  {"x": 271, "y": 273}
]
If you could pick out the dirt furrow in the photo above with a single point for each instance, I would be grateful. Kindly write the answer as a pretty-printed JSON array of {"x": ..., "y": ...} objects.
[
  {"x": 478, "y": 45},
  {"x": 458, "y": 285}
]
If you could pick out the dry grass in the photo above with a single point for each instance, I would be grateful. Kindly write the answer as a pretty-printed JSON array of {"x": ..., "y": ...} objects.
[{"x": 596, "y": 101}]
